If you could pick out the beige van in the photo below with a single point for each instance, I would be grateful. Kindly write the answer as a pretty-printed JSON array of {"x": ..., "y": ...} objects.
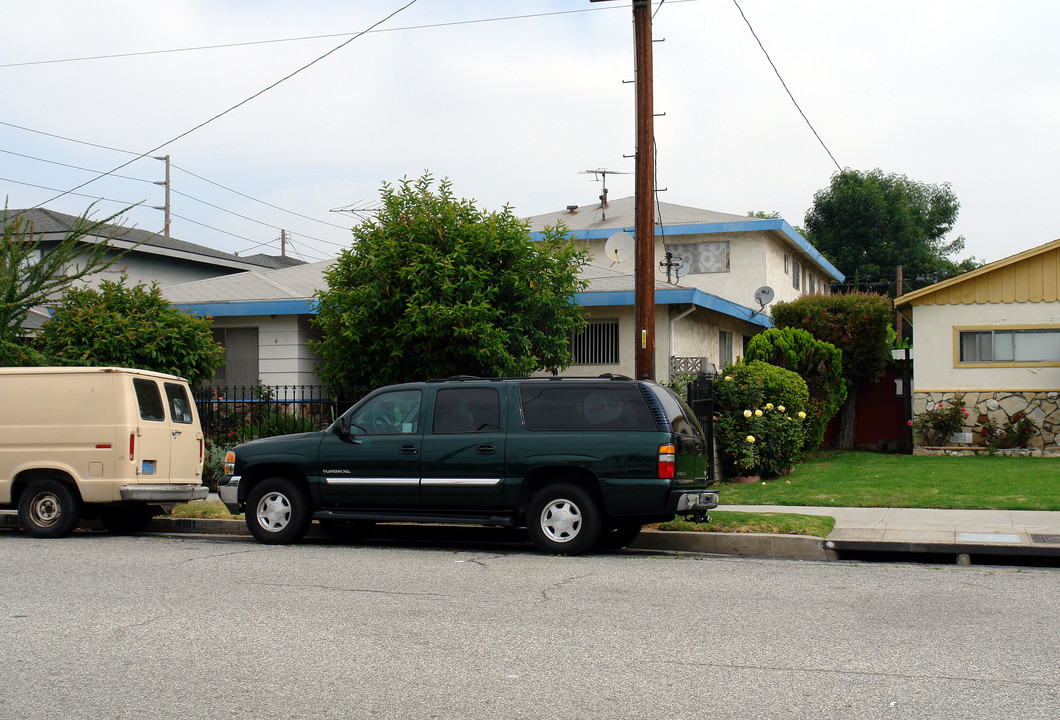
[{"x": 115, "y": 444}]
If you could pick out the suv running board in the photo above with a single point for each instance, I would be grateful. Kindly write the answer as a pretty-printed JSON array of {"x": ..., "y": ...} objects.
[{"x": 414, "y": 517}]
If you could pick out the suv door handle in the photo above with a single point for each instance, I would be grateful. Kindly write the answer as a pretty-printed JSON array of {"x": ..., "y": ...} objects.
[
  {"x": 409, "y": 449},
  {"x": 486, "y": 449}
]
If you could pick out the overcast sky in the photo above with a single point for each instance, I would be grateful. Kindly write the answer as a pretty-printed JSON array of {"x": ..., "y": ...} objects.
[{"x": 514, "y": 100}]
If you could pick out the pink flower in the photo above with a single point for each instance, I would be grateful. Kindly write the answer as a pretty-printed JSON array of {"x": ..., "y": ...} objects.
[{"x": 910, "y": 423}]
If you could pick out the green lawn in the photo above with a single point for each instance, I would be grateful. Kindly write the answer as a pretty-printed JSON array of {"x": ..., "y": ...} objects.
[{"x": 864, "y": 479}]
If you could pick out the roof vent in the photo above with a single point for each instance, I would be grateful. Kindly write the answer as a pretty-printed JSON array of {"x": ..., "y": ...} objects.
[{"x": 572, "y": 209}]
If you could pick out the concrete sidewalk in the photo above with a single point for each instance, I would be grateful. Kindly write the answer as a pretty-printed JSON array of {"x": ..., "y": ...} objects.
[{"x": 965, "y": 534}]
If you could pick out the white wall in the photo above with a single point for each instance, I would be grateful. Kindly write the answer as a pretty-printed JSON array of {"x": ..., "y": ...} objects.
[
  {"x": 283, "y": 358},
  {"x": 934, "y": 353}
]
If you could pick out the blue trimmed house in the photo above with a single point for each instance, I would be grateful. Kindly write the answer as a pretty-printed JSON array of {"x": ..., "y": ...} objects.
[
  {"x": 708, "y": 266},
  {"x": 705, "y": 307}
]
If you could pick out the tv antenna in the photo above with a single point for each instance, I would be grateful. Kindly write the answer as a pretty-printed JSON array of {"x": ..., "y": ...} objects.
[
  {"x": 362, "y": 209},
  {"x": 601, "y": 174}
]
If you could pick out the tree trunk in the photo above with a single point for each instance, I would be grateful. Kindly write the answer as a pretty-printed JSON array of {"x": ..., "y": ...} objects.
[{"x": 845, "y": 435}]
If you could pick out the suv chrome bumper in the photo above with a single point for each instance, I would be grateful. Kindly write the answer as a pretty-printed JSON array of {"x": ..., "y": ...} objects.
[
  {"x": 164, "y": 493},
  {"x": 687, "y": 502}
]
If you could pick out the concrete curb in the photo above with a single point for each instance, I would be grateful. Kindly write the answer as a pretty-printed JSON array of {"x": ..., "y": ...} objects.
[{"x": 796, "y": 547}]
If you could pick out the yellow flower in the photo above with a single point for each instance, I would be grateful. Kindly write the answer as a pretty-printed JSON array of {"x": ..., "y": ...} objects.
[
  {"x": 728, "y": 377},
  {"x": 802, "y": 415},
  {"x": 747, "y": 413},
  {"x": 780, "y": 408},
  {"x": 758, "y": 413},
  {"x": 750, "y": 438},
  {"x": 769, "y": 406}
]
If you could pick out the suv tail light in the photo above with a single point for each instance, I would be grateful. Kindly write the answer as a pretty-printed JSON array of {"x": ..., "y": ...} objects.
[{"x": 667, "y": 461}]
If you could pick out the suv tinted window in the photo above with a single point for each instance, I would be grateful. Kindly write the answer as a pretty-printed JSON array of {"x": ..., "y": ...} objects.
[
  {"x": 388, "y": 414},
  {"x": 149, "y": 399},
  {"x": 678, "y": 413},
  {"x": 464, "y": 410},
  {"x": 554, "y": 406}
]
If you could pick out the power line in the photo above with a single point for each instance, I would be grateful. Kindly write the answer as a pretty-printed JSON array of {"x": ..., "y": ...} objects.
[
  {"x": 808, "y": 123},
  {"x": 237, "y": 105},
  {"x": 174, "y": 165},
  {"x": 178, "y": 192},
  {"x": 303, "y": 38}
]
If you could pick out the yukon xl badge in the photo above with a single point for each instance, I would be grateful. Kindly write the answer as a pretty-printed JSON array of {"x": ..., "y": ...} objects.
[{"x": 337, "y": 472}]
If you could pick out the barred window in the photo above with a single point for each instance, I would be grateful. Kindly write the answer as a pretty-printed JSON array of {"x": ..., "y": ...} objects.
[{"x": 596, "y": 344}]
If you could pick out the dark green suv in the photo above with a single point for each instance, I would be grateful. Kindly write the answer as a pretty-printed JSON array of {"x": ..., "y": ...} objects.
[{"x": 579, "y": 462}]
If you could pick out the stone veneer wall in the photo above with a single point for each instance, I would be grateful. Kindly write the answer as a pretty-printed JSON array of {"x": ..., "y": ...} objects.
[{"x": 1043, "y": 408}]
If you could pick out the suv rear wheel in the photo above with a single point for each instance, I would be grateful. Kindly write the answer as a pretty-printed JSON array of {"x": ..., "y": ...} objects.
[
  {"x": 563, "y": 519},
  {"x": 278, "y": 511}
]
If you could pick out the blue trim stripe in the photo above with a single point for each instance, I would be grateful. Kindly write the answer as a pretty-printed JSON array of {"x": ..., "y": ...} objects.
[
  {"x": 245, "y": 308},
  {"x": 676, "y": 296}
]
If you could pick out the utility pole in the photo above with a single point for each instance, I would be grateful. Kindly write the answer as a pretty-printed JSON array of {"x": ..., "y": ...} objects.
[
  {"x": 283, "y": 243},
  {"x": 165, "y": 230},
  {"x": 644, "y": 196}
]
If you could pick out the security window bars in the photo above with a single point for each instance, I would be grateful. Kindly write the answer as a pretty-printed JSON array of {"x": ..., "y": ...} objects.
[{"x": 596, "y": 343}]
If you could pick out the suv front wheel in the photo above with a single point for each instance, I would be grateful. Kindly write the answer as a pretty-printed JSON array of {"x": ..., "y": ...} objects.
[
  {"x": 278, "y": 511},
  {"x": 563, "y": 519}
]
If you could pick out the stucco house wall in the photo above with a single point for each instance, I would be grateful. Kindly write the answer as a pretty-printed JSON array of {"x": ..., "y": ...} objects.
[{"x": 1021, "y": 292}]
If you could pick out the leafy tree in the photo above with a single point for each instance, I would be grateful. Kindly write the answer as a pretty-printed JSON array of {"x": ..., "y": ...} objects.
[
  {"x": 817, "y": 362},
  {"x": 130, "y": 327},
  {"x": 435, "y": 287},
  {"x": 30, "y": 277},
  {"x": 856, "y": 324},
  {"x": 867, "y": 224}
]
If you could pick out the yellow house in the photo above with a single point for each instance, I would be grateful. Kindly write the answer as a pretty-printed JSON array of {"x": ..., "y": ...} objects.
[{"x": 992, "y": 336}]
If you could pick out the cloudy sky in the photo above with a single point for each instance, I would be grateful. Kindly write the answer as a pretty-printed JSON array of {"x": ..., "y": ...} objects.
[{"x": 514, "y": 100}]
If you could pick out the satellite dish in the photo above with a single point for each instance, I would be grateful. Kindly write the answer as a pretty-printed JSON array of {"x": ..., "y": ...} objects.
[
  {"x": 763, "y": 296},
  {"x": 619, "y": 247}
]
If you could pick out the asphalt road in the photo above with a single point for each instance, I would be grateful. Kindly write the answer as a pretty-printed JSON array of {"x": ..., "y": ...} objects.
[{"x": 205, "y": 627}]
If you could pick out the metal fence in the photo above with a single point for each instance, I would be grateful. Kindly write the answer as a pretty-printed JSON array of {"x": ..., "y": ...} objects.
[
  {"x": 700, "y": 395},
  {"x": 232, "y": 415}
]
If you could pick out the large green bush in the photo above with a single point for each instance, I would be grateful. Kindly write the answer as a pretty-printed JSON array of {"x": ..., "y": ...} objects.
[
  {"x": 817, "y": 362},
  {"x": 761, "y": 409}
]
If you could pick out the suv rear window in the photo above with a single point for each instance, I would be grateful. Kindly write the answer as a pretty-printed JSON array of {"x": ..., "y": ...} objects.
[
  {"x": 554, "y": 406},
  {"x": 681, "y": 418}
]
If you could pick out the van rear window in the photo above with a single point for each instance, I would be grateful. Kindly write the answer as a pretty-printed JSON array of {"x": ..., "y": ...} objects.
[
  {"x": 179, "y": 405},
  {"x": 149, "y": 400},
  {"x": 552, "y": 406}
]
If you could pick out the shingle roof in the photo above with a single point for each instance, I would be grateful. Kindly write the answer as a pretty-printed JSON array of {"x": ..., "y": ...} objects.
[
  {"x": 620, "y": 214},
  {"x": 51, "y": 222},
  {"x": 293, "y": 283}
]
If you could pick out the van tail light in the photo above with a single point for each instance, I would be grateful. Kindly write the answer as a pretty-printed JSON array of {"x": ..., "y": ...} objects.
[
  {"x": 132, "y": 446},
  {"x": 200, "y": 450},
  {"x": 667, "y": 461}
]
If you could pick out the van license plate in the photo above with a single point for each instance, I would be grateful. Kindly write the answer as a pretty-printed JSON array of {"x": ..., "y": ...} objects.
[{"x": 148, "y": 467}]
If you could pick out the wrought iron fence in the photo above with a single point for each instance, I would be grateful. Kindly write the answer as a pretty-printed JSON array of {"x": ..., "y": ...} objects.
[
  {"x": 232, "y": 415},
  {"x": 700, "y": 394}
]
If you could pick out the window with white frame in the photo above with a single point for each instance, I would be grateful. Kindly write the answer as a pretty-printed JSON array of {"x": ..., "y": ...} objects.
[
  {"x": 1022, "y": 345},
  {"x": 596, "y": 343}
]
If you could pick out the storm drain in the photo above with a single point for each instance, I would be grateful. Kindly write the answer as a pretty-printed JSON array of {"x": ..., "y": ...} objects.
[{"x": 1046, "y": 539}]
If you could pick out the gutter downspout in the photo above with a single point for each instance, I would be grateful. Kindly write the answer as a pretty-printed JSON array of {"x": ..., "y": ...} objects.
[{"x": 673, "y": 321}]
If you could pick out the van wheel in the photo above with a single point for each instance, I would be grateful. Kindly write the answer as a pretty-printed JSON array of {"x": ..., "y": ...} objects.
[
  {"x": 49, "y": 509},
  {"x": 346, "y": 530},
  {"x": 563, "y": 519},
  {"x": 618, "y": 535},
  {"x": 125, "y": 521},
  {"x": 278, "y": 511}
]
